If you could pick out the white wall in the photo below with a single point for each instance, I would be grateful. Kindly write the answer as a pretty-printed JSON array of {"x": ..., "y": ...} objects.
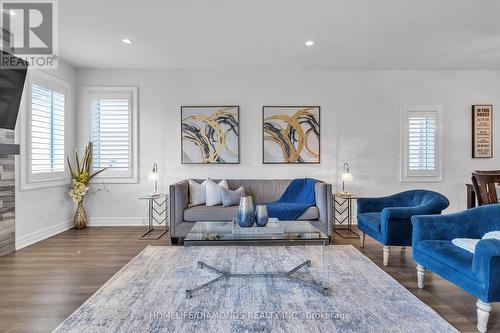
[
  {"x": 359, "y": 123},
  {"x": 44, "y": 212}
]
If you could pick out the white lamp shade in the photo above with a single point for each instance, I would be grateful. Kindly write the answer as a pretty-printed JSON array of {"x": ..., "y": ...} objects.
[
  {"x": 153, "y": 176},
  {"x": 347, "y": 177}
]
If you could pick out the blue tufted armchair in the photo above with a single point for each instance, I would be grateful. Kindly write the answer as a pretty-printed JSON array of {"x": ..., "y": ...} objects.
[
  {"x": 477, "y": 273},
  {"x": 387, "y": 219}
]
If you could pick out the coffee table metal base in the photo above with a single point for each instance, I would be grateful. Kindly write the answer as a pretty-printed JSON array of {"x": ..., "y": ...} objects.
[{"x": 227, "y": 275}]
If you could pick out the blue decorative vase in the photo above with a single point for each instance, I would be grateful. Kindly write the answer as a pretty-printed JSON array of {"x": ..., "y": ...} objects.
[
  {"x": 261, "y": 216},
  {"x": 246, "y": 212}
]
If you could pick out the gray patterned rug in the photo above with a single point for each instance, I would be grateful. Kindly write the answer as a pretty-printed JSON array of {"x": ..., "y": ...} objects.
[{"x": 147, "y": 295}]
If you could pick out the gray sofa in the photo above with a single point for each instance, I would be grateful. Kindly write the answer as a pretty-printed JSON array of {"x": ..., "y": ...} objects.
[{"x": 182, "y": 217}]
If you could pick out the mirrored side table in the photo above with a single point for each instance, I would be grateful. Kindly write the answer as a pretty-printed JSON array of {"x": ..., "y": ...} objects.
[
  {"x": 342, "y": 215},
  {"x": 157, "y": 215}
]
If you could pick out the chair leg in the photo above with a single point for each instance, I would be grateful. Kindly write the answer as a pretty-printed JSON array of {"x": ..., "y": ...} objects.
[
  {"x": 483, "y": 313},
  {"x": 420, "y": 276},
  {"x": 362, "y": 236},
  {"x": 386, "y": 252}
]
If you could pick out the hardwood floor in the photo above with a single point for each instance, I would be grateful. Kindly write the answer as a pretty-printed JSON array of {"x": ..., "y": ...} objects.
[{"x": 43, "y": 284}]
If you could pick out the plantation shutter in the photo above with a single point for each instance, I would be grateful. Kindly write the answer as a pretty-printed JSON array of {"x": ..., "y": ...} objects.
[
  {"x": 111, "y": 133},
  {"x": 421, "y": 143},
  {"x": 46, "y": 131}
]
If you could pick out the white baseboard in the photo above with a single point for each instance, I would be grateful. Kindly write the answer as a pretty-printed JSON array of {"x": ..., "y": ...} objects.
[
  {"x": 39, "y": 235},
  {"x": 116, "y": 221}
]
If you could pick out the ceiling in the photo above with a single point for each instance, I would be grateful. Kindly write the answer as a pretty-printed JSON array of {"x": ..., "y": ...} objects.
[{"x": 270, "y": 34}]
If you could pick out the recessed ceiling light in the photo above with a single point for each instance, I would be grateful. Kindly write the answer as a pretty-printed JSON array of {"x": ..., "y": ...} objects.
[
  {"x": 127, "y": 41},
  {"x": 309, "y": 43}
]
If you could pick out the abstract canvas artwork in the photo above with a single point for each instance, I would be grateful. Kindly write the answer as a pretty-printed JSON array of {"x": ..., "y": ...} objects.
[
  {"x": 291, "y": 134},
  {"x": 210, "y": 134}
]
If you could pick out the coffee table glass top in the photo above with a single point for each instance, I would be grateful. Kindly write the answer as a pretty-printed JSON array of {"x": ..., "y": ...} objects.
[{"x": 293, "y": 231}]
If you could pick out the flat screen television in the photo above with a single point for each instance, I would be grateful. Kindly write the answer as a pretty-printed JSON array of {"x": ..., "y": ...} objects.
[{"x": 11, "y": 89}]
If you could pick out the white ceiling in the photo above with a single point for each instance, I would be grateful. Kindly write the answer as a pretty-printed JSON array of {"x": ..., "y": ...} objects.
[{"x": 270, "y": 34}]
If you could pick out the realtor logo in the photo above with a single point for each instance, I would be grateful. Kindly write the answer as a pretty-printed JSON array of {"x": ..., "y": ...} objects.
[{"x": 32, "y": 32}]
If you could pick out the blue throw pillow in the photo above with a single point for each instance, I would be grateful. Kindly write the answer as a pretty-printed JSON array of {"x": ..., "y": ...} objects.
[{"x": 232, "y": 198}]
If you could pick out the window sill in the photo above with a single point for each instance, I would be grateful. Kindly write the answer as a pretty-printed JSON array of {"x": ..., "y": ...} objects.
[
  {"x": 421, "y": 179},
  {"x": 43, "y": 184}
]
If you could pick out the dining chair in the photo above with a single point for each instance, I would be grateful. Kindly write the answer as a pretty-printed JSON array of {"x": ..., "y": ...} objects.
[{"x": 485, "y": 185}]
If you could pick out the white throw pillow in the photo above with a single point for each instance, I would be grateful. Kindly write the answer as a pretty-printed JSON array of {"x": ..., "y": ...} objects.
[
  {"x": 468, "y": 244},
  {"x": 492, "y": 234},
  {"x": 213, "y": 192},
  {"x": 232, "y": 198},
  {"x": 197, "y": 193}
]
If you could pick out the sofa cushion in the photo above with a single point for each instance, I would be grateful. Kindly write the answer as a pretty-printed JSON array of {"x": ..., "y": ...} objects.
[
  {"x": 210, "y": 213},
  {"x": 220, "y": 213},
  {"x": 448, "y": 254},
  {"x": 370, "y": 220}
]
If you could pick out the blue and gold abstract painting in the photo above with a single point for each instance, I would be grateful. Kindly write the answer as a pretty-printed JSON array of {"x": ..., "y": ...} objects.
[
  {"x": 291, "y": 134},
  {"x": 210, "y": 134}
]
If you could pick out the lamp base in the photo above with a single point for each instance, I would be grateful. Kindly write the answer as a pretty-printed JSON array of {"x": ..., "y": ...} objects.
[{"x": 345, "y": 193}]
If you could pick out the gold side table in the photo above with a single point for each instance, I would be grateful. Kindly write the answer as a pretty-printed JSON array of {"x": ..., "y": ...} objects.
[
  {"x": 342, "y": 213},
  {"x": 157, "y": 204}
]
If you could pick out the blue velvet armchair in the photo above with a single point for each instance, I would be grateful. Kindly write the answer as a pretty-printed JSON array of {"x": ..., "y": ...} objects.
[
  {"x": 388, "y": 219},
  {"x": 477, "y": 273}
]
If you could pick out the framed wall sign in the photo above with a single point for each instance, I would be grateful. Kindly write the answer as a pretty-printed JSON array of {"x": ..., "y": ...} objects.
[
  {"x": 291, "y": 135},
  {"x": 210, "y": 134},
  {"x": 482, "y": 131}
]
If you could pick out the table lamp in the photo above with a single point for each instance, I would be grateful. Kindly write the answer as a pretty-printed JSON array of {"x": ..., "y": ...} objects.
[
  {"x": 346, "y": 177},
  {"x": 154, "y": 176}
]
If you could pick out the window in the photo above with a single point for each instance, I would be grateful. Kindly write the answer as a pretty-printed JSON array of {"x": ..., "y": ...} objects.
[
  {"x": 421, "y": 143},
  {"x": 46, "y": 102},
  {"x": 113, "y": 131},
  {"x": 47, "y": 130}
]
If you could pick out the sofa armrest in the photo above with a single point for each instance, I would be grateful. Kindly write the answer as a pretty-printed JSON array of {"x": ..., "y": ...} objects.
[
  {"x": 404, "y": 212},
  {"x": 323, "y": 193},
  {"x": 486, "y": 264},
  {"x": 179, "y": 201}
]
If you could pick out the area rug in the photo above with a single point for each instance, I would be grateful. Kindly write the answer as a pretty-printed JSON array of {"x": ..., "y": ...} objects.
[{"x": 148, "y": 294}]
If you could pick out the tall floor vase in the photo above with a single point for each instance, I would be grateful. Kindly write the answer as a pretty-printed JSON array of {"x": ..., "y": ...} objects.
[{"x": 80, "y": 218}]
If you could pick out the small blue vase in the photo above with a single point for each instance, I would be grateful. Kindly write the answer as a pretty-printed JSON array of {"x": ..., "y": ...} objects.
[
  {"x": 246, "y": 212},
  {"x": 261, "y": 216}
]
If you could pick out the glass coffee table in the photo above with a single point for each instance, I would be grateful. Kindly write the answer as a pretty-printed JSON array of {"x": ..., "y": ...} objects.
[{"x": 295, "y": 233}]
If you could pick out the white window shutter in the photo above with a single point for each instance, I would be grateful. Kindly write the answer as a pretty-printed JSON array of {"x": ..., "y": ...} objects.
[
  {"x": 111, "y": 123},
  {"x": 111, "y": 133},
  {"x": 46, "y": 131},
  {"x": 421, "y": 144}
]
